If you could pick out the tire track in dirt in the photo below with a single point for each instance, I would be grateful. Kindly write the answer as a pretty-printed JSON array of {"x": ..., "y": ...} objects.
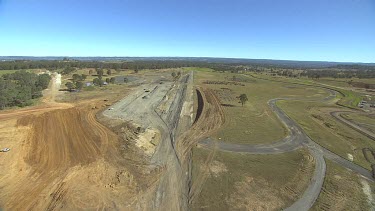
[
  {"x": 57, "y": 143},
  {"x": 210, "y": 120}
]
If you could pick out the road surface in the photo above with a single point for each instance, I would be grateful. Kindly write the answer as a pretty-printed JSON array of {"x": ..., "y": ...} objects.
[
  {"x": 297, "y": 138},
  {"x": 337, "y": 115}
]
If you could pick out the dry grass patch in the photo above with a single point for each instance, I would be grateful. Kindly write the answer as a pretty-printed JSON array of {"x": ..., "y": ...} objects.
[
  {"x": 316, "y": 121},
  {"x": 251, "y": 182},
  {"x": 254, "y": 123},
  {"x": 343, "y": 190}
]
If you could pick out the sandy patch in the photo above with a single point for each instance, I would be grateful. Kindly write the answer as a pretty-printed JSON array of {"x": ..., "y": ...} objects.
[
  {"x": 216, "y": 168},
  {"x": 254, "y": 195},
  {"x": 350, "y": 157},
  {"x": 147, "y": 141},
  {"x": 367, "y": 191}
]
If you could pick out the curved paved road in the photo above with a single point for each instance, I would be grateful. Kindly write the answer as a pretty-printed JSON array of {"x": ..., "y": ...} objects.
[
  {"x": 337, "y": 115},
  {"x": 296, "y": 139}
]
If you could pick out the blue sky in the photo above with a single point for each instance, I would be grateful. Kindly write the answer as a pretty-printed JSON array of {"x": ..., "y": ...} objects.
[{"x": 325, "y": 30}]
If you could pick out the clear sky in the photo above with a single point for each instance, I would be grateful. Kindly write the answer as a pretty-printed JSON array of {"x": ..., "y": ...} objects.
[{"x": 328, "y": 30}]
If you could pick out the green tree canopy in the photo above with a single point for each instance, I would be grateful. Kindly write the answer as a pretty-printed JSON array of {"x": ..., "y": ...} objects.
[
  {"x": 79, "y": 85},
  {"x": 69, "y": 85}
]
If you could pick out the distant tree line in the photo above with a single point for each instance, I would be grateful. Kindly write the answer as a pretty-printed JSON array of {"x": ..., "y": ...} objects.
[
  {"x": 69, "y": 66},
  {"x": 19, "y": 88},
  {"x": 339, "y": 73}
]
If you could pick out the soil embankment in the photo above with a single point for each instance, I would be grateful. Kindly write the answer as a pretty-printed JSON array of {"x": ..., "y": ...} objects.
[{"x": 200, "y": 106}]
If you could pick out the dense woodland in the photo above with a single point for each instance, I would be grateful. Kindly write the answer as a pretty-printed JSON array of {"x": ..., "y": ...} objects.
[{"x": 19, "y": 88}]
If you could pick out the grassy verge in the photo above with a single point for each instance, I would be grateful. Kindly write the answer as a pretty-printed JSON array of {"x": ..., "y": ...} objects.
[
  {"x": 316, "y": 121},
  {"x": 364, "y": 120},
  {"x": 342, "y": 190},
  {"x": 350, "y": 99},
  {"x": 251, "y": 182}
]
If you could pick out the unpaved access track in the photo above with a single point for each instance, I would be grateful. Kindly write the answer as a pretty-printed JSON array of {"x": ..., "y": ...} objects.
[{"x": 158, "y": 106}]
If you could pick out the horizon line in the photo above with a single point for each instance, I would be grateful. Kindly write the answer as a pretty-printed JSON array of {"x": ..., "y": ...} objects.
[{"x": 193, "y": 57}]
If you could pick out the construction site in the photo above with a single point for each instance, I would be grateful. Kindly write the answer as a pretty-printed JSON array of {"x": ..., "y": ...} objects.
[
  {"x": 109, "y": 152},
  {"x": 131, "y": 148}
]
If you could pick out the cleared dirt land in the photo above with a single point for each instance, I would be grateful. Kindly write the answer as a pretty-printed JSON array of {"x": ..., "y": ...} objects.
[
  {"x": 133, "y": 147},
  {"x": 62, "y": 158}
]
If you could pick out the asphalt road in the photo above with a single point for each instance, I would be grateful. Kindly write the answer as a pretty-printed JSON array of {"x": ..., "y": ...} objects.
[
  {"x": 337, "y": 115},
  {"x": 310, "y": 195},
  {"x": 297, "y": 138}
]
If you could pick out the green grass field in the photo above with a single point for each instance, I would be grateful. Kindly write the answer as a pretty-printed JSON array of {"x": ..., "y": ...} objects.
[
  {"x": 349, "y": 99},
  {"x": 250, "y": 182},
  {"x": 253, "y": 123},
  {"x": 364, "y": 120},
  {"x": 316, "y": 121},
  {"x": 3, "y": 72}
]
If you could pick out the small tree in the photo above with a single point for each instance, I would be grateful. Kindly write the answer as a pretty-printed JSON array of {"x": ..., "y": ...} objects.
[
  {"x": 173, "y": 75},
  {"x": 69, "y": 85},
  {"x": 91, "y": 72},
  {"x": 243, "y": 99},
  {"x": 76, "y": 77},
  {"x": 108, "y": 80},
  {"x": 100, "y": 73},
  {"x": 96, "y": 81},
  {"x": 112, "y": 80},
  {"x": 79, "y": 85},
  {"x": 109, "y": 72}
]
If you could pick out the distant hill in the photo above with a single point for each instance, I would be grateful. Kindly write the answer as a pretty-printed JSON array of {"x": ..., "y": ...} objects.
[{"x": 285, "y": 63}]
